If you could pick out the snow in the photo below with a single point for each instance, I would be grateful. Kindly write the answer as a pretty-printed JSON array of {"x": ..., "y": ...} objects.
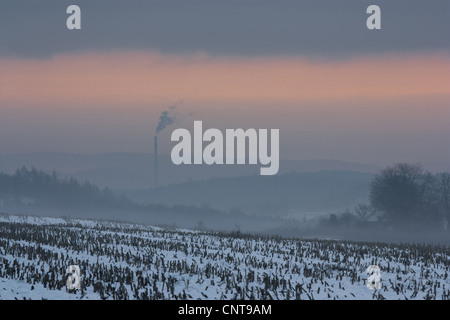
[{"x": 136, "y": 261}]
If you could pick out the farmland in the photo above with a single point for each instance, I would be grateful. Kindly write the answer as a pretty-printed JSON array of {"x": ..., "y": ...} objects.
[{"x": 121, "y": 260}]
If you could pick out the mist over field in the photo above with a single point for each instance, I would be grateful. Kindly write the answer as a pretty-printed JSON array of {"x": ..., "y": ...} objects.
[{"x": 338, "y": 204}]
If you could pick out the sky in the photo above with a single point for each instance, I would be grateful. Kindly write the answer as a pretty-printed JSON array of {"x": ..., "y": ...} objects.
[{"x": 312, "y": 69}]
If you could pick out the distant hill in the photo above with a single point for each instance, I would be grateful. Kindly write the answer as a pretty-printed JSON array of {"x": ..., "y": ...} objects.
[
  {"x": 280, "y": 195},
  {"x": 34, "y": 192},
  {"x": 133, "y": 171},
  {"x": 35, "y": 188}
]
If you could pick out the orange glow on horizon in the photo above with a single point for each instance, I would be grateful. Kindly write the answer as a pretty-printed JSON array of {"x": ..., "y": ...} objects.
[{"x": 131, "y": 77}]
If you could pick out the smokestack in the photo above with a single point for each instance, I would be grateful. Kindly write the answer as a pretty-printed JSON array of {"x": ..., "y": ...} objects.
[
  {"x": 156, "y": 161},
  {"x": 165, "y": 119}
]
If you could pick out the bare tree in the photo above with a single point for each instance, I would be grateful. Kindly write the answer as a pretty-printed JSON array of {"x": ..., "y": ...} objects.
[
  {"x": 444, "y": 196},
  {"x": 397, "y": 192},
  {"x": 364, "y": 212},
  {"x": 406, "y": 193}
]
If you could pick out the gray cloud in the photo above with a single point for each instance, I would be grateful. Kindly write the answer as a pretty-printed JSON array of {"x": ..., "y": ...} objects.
[{"x": 317, "y": 28}]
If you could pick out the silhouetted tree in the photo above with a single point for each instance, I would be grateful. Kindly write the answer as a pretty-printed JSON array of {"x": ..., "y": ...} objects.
[
  {"x": 404, "y": 193},
  {"x": 364, "y": 212},
  {"x": 444, "y": 196},
  {"x": 396, "y": 191}
]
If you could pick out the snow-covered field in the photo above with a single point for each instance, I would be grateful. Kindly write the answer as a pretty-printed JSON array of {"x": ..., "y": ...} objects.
[{"x": 130, "y": 261}]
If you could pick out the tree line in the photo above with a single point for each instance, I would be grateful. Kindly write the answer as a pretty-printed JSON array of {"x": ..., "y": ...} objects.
[
  {"x": 51, "y": 189},
  {"x": 406, "y": 193},
  {"x": 403, "y": 195},
  {"x": 33, "y": 189}
]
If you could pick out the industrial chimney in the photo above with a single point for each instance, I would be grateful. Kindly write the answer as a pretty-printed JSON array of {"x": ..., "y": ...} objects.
[{"x": 156, "y": 161}]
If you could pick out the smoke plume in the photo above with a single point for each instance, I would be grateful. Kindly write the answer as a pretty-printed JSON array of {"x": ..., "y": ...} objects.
[{"x": 166, "y": 119}]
